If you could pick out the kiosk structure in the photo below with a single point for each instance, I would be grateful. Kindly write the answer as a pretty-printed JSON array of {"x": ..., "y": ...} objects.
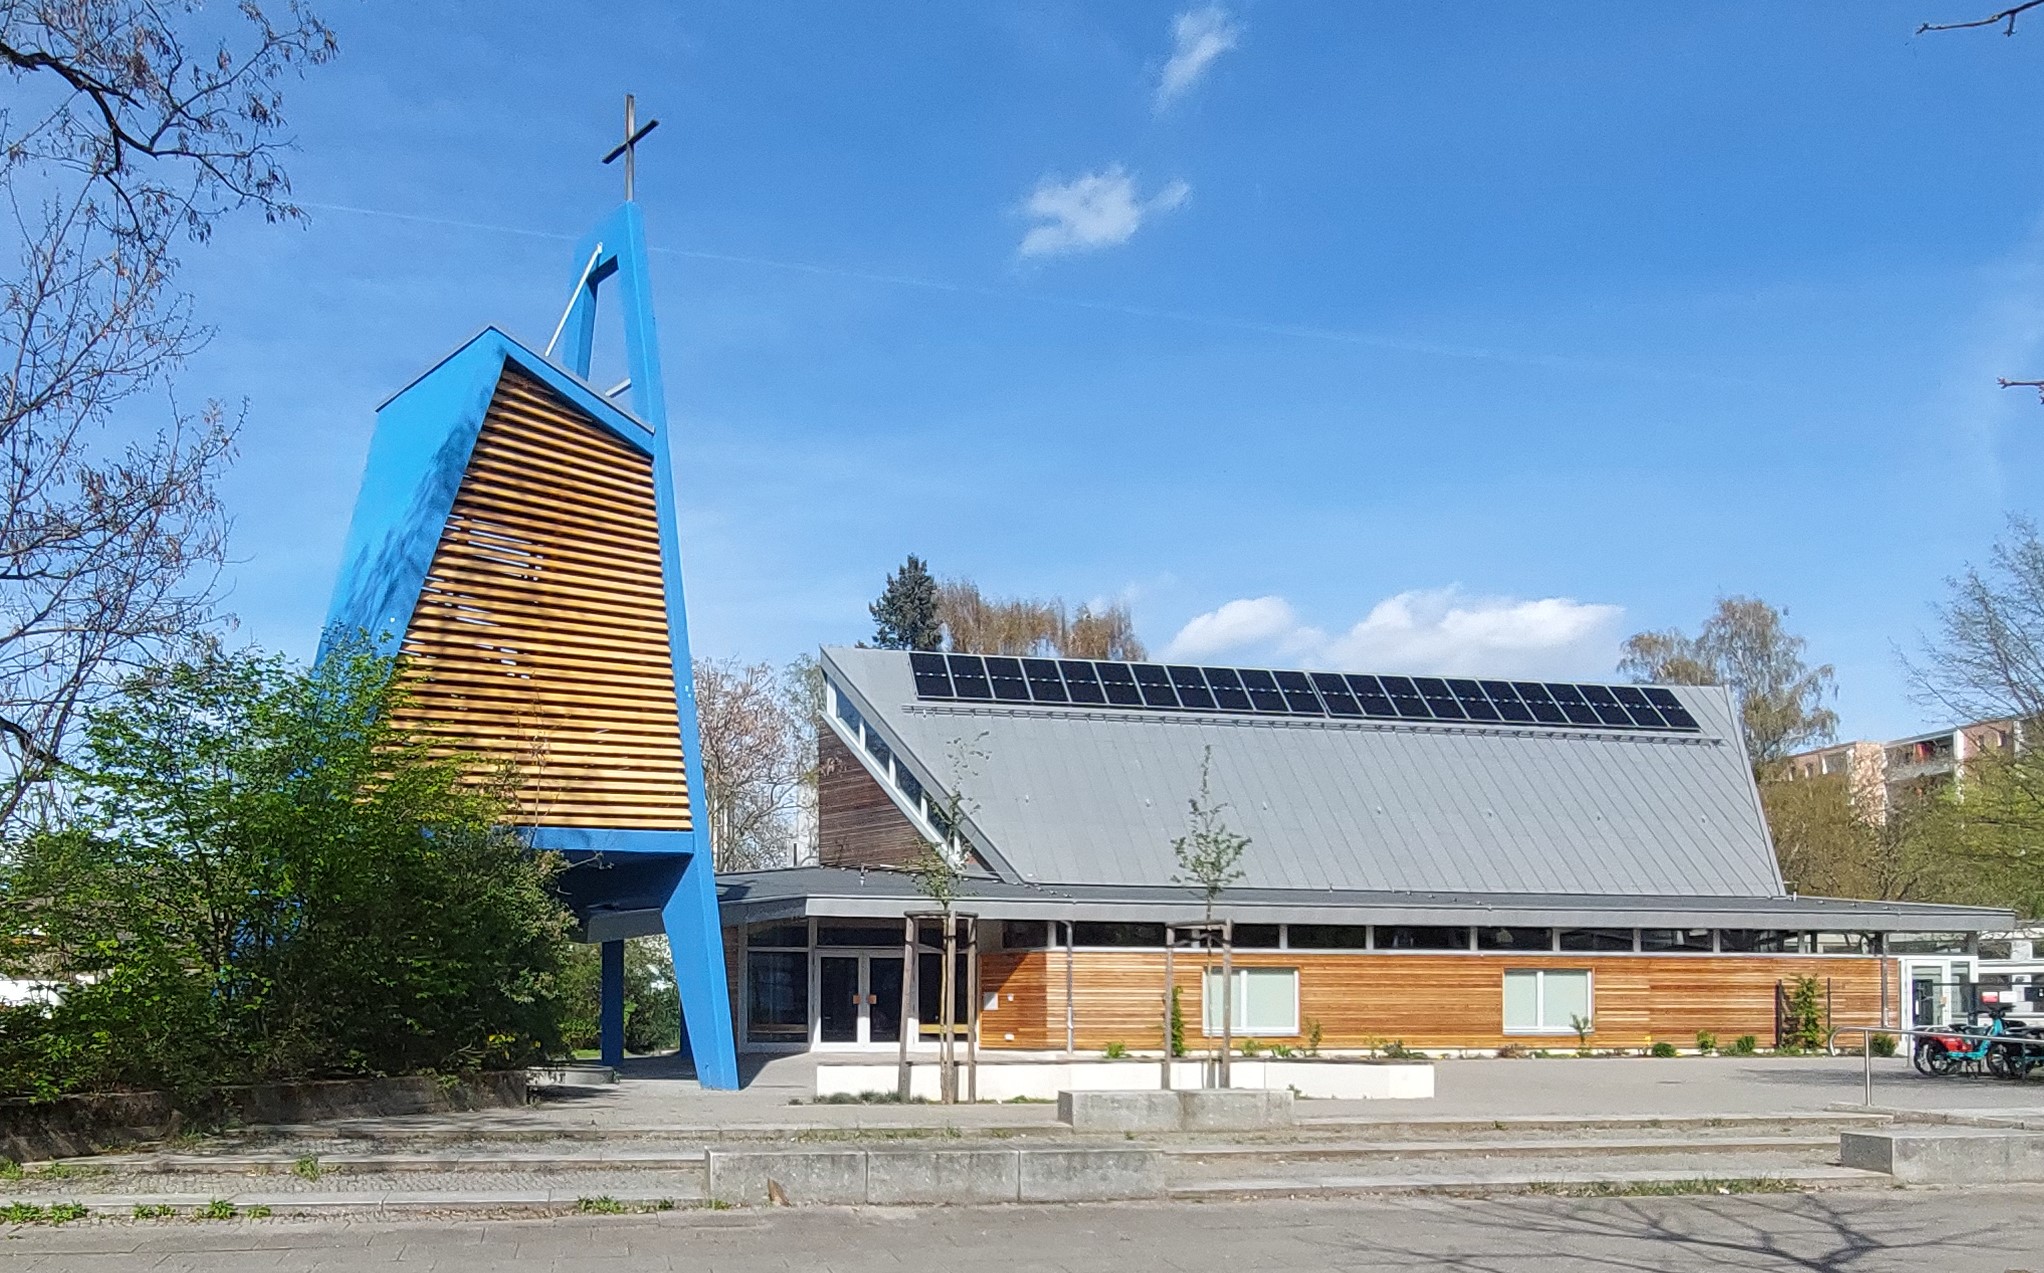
[{"x": 515, "y": 541}]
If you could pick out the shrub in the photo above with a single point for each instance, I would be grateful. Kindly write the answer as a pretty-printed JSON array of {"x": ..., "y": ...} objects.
[
  {"x": 1881, "y": 1044},
  {"x": 1252, "y": 1047},
  {"x": 1803, "y": 1030},
  {"x": 1177, "y": 1025},
  {"x": 1283, "y": 1050},
  {"x": 1706, "y": 1042},
  {"x": 1313, "y": 1037},
  {"x": 1744, "y": 1045},
  {"x": 1662, "y": 1048},
  {"x": 1584, "y": 1027},
  {"x": 1511, "y": 1052},
  {"x": 264, "y": 877},
  {"x": 1116, "y": 1051},
  {"x": 1397, "y": 1051}
]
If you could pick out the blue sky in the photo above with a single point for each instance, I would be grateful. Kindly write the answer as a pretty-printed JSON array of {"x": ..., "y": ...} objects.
[{"x": 1388, "y": 336}]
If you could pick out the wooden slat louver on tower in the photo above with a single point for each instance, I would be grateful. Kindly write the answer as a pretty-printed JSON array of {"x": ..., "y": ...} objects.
[{"x": 540, "y": 637}]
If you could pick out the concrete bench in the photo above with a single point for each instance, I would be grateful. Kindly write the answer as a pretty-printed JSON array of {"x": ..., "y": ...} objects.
[{"x": 1207, "y": 1110}]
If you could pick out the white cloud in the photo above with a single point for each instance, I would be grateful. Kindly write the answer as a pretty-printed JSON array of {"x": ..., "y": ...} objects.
[
  {"x": 1198, "y": 36},
  {"x": 1252, "y": 621},
  {"x": 1439, "y": 631},
  {"x": 1099, "y": 210}
]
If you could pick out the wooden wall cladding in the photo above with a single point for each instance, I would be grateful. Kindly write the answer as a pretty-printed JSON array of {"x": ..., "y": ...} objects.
[
  {"x": 540, "y": 639},
  {"x": 1425, "y": 1001},
  {"x": 857, "y": 823}
]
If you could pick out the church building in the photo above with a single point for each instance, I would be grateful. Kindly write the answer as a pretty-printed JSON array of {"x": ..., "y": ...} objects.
[{"x": 1458, "y": 864}]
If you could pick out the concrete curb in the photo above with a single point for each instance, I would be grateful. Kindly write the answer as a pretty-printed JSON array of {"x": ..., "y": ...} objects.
[
  {"x": 1474, "y": 1183},
  {"x": 934, "y": 1176}
]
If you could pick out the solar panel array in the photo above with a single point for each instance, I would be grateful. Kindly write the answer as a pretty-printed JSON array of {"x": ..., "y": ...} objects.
[{"x": 1174, "y": 687}]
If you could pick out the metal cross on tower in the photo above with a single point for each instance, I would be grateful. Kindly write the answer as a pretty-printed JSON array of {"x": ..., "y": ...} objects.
[{"x": 629, "y": 147}]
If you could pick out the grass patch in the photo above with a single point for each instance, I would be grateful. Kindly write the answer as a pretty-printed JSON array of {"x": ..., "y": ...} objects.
[
  {"x": 55, "y": 1213},
  {"x": 154, "y": 1211},
  {"x": 307, "y": 1167},
  {"x": 605, "y": 1205},
  {"x": 716, "y": 1204},
  {"x": 1664, "y": 1188},
  {"x": 868, "y": 1098},
  {"x": 218, "y": 1209},
  {"x": 67, "y": 1171},
  {"x": 10, "y": 1169}
]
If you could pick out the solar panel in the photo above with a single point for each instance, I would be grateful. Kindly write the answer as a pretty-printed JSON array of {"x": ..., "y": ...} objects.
[
  {"x": 933, "y": 680},
  {"x": 1472, "y": 699},
  {"x": 1006, "y": 675},
  {"x": 1439, "y": 701},
  {"x": 1609, "y": 710},
  {"x": 1155, "y": 684},
  {"x": 1298, "y": 691},
  {"x": 1082, "y": 680},
  {"x": 1045, "y": 685},
  {"x": 1192, "y": 689},
  {"x": 1264, "y": 692},
  {"x": 1370, "y": 695},
  {"x": 1001, "y": 678},
  {"x": 1506, "y": 699},
  {"x": 1573, "y": 705},
  {"x": 1405, "y": 699},
  {"x": 1335, "y": 693},
  {"x": 1120, "y": 685},
  {"x": 969, "y": 674},
  {"x": 1229, "y": 695}
]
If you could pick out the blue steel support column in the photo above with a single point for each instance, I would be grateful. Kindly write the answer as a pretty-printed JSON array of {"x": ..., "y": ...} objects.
[
  {"x": 611, "y": 1019},
  {"x": 694, "y": 934}
]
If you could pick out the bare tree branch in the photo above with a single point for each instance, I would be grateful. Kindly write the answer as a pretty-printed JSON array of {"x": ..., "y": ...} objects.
[
  {"x": 2006, "y": 19},
  {"x": 118, "y": 138}
]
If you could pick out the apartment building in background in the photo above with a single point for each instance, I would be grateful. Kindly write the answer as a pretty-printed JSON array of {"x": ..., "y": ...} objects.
[{"x": 1884, "y": 774}]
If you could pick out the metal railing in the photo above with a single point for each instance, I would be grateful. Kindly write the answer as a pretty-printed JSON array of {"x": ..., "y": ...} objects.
[{"x": 1866, "y": 1032}]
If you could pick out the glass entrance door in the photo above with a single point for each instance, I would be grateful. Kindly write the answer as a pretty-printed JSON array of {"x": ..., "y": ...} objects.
[
  {"x": 858, "y": 998},
  {"x": 838, "y": 994},
  {"x": 883, "y": 998}
]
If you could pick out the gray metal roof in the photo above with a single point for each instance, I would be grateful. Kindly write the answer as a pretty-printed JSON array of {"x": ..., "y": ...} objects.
[
  {"x": 1088, "y": 796},
  {"x": 756, "y": 896}
]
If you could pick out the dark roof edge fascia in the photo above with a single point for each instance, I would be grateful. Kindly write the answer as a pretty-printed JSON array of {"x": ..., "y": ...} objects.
[{"x": 838, "y": 892}]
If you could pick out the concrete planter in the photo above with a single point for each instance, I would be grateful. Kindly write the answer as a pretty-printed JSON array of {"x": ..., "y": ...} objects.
[
  {"x": 1042, "y": 1080},
  {"x": 73, "y": 1125}
]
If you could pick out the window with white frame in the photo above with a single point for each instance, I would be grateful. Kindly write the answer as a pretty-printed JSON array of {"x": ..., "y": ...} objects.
[
  {"x": 1266, "y": 1002},
  {"x": 1546, "y": 1000}
]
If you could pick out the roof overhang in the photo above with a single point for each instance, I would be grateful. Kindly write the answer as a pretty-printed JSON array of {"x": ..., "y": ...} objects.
[{"x": 829, "y": 892}]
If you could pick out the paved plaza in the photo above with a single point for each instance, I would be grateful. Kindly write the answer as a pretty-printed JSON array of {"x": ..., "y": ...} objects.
[
  {"x": 1856, "y": 1232},
  {"x": 1677, "y": 1087}
]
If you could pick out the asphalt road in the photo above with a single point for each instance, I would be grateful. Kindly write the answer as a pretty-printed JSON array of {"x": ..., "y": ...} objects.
[{"x": 1955, "y": 1231}]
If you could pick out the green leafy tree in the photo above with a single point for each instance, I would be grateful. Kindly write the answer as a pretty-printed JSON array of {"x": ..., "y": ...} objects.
[
  {"x": 261, "y": 877},
  {"x": 1210, "y": 858},
  {"x": 905, "y": 616},
  {"x": 1745, "y": 646},
  {"x": 1985, "y": 661},
  {"x": 1209, "y": 854},
  {"x": 652, "y": 1005}
]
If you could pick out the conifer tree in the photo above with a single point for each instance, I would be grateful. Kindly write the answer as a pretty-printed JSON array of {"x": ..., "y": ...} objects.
[{"x": 905, "y": 616}]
